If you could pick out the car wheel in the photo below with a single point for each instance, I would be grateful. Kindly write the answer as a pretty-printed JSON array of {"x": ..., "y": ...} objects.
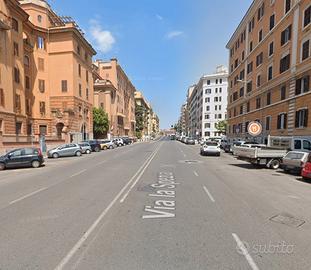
[
  {"x": 275, "y": 164},
  {"x": 2, "y": 166},
  {"x": 55, "y": 155},
  {"x": 35, "y": 164},
  {"x": 97, "y": 149},
  {"x": 88, "y": 151},
  {"x": 105, "y": 148},
  {"x": 78, "y": 154},
  {"x": 110, "y": 147}
]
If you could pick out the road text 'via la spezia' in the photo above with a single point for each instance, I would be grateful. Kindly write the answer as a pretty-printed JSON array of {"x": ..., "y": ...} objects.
[{"x": 164, "y": 206}]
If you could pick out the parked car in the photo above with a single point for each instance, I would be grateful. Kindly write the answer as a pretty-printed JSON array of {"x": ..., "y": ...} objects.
[
  {"x": 94, "y": 145},
  {"x": 118, "y": 142},
  {"x": 22, "y": 157},
  {"x": 65, "y": 150},
  {"x": 210, "y": 148},
  {"x": 294, "y": 161},
  {"x": 106, "y": 144},
  {"x": 86, "y": 148},
  {"x": 228, "y": 148},
  {"x": 127, "y": 140},
  {"x": 306, "y": 170},
  {"x": 190, "y": 141}
]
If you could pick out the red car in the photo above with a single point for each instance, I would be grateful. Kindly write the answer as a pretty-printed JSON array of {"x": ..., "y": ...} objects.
[{"x": 306, "y": 171}]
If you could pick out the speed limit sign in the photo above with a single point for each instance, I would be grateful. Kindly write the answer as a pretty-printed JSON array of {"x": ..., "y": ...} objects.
[{"x": 254, "y": 129}]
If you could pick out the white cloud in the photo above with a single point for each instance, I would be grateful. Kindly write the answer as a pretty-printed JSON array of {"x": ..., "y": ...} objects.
[
  {"x": 174, "y": 34},
  {"x": 103, "y": 39},
  {"x": 159, "y": 17}
]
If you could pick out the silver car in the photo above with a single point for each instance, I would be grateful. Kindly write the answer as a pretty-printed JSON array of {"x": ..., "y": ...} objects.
[
  {"x": 294, "y": 161},
  {"x": 210, "y": 148},
  {"x": 86, "y": 148},
  {"x": 65, "y": 150}
]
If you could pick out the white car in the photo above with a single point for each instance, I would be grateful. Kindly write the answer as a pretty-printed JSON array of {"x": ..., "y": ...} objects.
[
  {"x": 118, "y": 141},
  {"x": 210, "y": 148}
]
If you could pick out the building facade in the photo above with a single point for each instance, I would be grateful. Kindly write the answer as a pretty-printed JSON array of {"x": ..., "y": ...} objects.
[
  {"x": 114, "y": 92},
  {"x": 208, "y": 104},
  {"x": 46, "y": 86},
  {"x": 270, "y": 69}
]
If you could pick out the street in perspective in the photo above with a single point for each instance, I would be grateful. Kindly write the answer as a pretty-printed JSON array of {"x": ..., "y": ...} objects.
[{"x": 173, "y": 136}]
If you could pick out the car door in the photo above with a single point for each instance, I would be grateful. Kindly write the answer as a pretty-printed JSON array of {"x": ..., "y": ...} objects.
[
  {"x": 15, "y": 159},
  {"x": 62, "y": 150}
]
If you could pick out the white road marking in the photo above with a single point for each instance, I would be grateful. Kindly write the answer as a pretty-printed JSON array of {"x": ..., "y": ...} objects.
[
  {"x": 195, "y": 173},
  {"x": 78, "y": 173},
  {"x": 143, "y": 169},
  {"x": 87, "y": 234},
  {"x": 28, "y": 195},
  {"x": 209, "y": 194},
  {"x": 244, "y": 251}
]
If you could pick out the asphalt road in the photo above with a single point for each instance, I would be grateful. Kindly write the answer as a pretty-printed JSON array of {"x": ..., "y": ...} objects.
[{"x": 157, "y": 205}]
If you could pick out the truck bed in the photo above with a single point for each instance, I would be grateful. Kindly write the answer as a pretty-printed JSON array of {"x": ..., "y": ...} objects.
[{"x": 254, "y": 153}]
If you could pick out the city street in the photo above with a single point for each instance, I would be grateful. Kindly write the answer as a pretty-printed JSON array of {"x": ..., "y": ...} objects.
[{"x": 153, "y": 205}]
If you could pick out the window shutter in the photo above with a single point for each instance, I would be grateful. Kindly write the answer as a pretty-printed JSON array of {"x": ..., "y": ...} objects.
[
  {"x": 306, "y": 118},
  {"x": 285, "y": 120},
  {"x": 282, "y": 38},
  {"x": 306, "y": 84},
  {"x": 298, "y": 87},
  {"x": 279, "y": 122},
  {"x": 297, "y": 119}
]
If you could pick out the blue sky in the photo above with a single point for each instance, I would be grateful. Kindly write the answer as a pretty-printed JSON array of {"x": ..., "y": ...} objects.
[{"x": 164, "y": 46}]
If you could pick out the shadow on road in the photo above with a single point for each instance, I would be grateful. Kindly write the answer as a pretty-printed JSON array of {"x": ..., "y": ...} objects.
[{"x": 248, "y": 166}]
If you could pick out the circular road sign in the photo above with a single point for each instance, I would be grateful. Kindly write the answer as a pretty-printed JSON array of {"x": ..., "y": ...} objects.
[{"x": 254, "y": 129}]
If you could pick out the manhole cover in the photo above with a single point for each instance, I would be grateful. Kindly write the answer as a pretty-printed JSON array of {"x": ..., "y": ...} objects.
[{"x": 288, "y": 220}]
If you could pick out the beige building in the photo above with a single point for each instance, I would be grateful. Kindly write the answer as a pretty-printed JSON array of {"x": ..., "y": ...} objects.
[
  {"x": 46, "y": 86},
  {"x": 114, "y": 92},
  {"x": 270, "y": 62}
]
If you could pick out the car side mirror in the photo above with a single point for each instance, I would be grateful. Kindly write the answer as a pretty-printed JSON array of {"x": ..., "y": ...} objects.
[{"x": 10, "y": 155}]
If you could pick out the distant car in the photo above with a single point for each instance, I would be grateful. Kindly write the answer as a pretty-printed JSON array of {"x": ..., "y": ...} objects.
[
  {"x": 294, "y": 161},
  {"x": 228, "y": 148},
  {"x": 106, "y": 144},
  {"x": 306, "y": 170},
  {"x": 94, "y": 145},
  {"x": 190, "y": 141},
  {"x": 65, "y": 150},
  {"x": 22, "y": 157},
  {"x": 118, "y": 142},
  {"x": 86, "y": 148},
  {"x": 210, "y": 148},
  {"x": 127, "y": 140}
]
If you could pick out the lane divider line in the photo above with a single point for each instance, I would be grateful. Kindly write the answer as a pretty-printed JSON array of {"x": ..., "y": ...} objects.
[
  {"x": 87, "y": 234},
  {"x": 27, "y": 196},
  {"x": 208, "y": 194},
  {"x": 195, "y": 173},
  {"x": 244, "y": 251},
  {"x": 78, "y": 173}
]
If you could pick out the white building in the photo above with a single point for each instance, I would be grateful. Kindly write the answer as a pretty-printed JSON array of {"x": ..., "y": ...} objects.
[{"x": 208, "y": 104}]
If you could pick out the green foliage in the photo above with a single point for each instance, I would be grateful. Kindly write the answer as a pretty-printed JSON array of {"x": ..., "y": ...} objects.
[
  {"x": 221, "y": 126},
  {"x": 140, "y": 118},
  {"x": 100, "y": 121}
]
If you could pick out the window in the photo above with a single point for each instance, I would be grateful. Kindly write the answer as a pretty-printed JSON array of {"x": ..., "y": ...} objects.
[
  {"x": 301, "y": 118},
  {"x": 41, "y": 64},
  {"x": 302, "y": 85},
  {"x": 261, "y": 12},
  {"x": 86, "y": 75},
  {"x": 271, "y": 48},
  {"x": 219, "y": 107},
  {"x": 216, "y": 81},
  {"x": 41, "y": 44},
  {"x": 251, "y": 46},
  {"x": 64, "y": 86},
  {"x": 43, "y": 130},
  {"x": 87, "y": 93},
  {"x": 206, "y": 116},
  {"x": 42, "y": 86},
  {"x": 79, "y": 70},
  {"x": 282, "y": 121},
  {"x": 220, "y": 90},
  {"x": 15, "y": 25},
  {"x": 16, "y": 75},
  {"x": 15, "y": 49},
  {"x": 242, "y": 92},
  {"x": 207, "y": 108},
  {"x": 28, "y": 105},
  {"x": 249, "y": 67},
  {"x": 260, "y": 35},
  {"x": 286, "y": 35},
  {"x": 207, "y": 125},
  {"x": 288, "y": 5},
  {"x": 305, "y": 50},
  {"x": 285, "y": 63},
  {"x": 219, "y": 116},
  {"x": 29, "y": 132},
  {"x": 208, "y": 91},
  {"x": 242, "y": 74},
  {"x": 39, "y": 18},
  {"x": 241, "y": 109},
  {"x": 235, "y": 96},
  {"x": 220, "y": 81},
  {"x": 207, "y": 100},
  {"x": 215, "y": 107},
  {"x": 27, "y": 82},
  {"x": 283, "y": 92},
  {"x": 236, "y": 63},
  {"x": 243, "y": 56},
  {"x": 258, "y": 80},
  {"x": 258, "y": 103},
  {"x": 246, "y": 126},
  {"x": 270, "y": 73},
  {"x": 272, "y": 21},
  {"x": 26, "y": 61},
  {"x": 248, "y": 106},
  {"x": 259, "y": 59},
  {"x": 307, "y": 17},
  {"x": 268, "y": 122},
  {"x": 215, "y": 99},
  {"x": 249, "y": 87},
  {"x": 2, "y": 103},
  {"x": 216, "y": 90},
  {"x": 18, "y": 130},
  {"x": 208, "y": 82},
  {"x": 18, "y": 103},
  {"x": 251, "y": 25},
  {"x": 42, "y": 108},
  {"x": 78, "y": 49},
  {"x": 268, "y": 98},
  {"x": 80, "y": 90}
]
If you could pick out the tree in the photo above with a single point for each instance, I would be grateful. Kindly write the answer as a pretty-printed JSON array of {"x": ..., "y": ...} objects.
[
  {"x": 221, "y": 126},
  {"x": 100, "y": 122},
  {"x": 140, "y": 118}
]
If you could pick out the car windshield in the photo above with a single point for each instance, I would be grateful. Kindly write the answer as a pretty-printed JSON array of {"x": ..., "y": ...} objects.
[{"x": 211, "y": 143}]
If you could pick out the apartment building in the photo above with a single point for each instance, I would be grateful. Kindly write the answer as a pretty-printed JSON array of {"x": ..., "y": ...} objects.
[
  {"x": 270, "y": 69},
  {"x": 46, "y": 88},
  {"x": 114, "y": 92},
  {"x": 183, "y": 119},
  {"x": 208, "y": 104},
  {"x": 145, "y": 120}
]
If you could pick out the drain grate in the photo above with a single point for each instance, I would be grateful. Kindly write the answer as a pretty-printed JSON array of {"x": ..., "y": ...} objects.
[{"x": 288, "y": 220}]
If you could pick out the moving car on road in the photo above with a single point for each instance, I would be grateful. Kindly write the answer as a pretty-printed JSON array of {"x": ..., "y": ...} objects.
[
  {"x": 210, "y": 148},
  {"x": 294, "y": 161},
  {"x": 86, "y": 148},
  {"x": 106, "y": 144},
  {"x": 22, "y": 157},
  {"x": 65, "y": 150}
]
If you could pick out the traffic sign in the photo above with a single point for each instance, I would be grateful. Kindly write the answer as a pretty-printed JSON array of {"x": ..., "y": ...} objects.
[{"x": 254, "y": 129}]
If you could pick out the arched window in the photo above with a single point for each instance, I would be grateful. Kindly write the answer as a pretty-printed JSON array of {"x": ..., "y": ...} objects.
[{"x": 39, "y": 18}]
